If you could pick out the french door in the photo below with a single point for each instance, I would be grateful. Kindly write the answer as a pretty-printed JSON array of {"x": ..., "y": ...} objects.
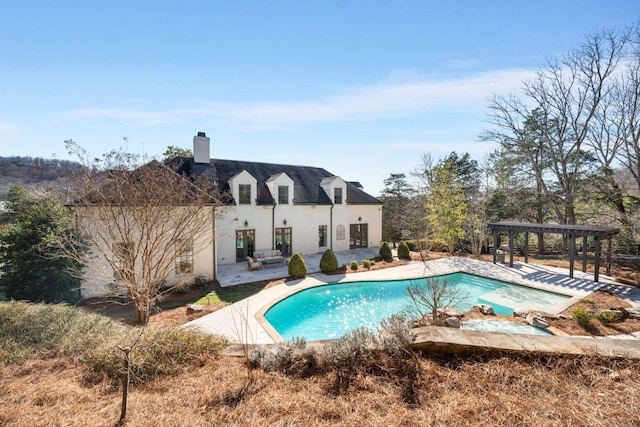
[
  {"x": 283, "y": 240},
  {"x": 358, "y": 236},
  {"x": 245, "y": 244}
]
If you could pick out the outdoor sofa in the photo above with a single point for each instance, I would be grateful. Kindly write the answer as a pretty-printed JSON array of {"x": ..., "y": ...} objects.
[{"x": 269, "y": 257}]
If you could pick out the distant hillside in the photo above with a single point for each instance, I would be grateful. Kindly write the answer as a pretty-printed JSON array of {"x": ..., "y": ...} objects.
[{"x": 33, "y": 172}]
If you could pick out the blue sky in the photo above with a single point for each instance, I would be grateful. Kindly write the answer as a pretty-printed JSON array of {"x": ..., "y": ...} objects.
[{"x": 362, "y": 88}]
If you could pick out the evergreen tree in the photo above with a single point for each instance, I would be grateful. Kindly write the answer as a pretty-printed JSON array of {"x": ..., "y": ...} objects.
[
  {"x": 33, "y": 265},
  {"x": 172, "y": 151},
  {"x": 397, "y": 215}
]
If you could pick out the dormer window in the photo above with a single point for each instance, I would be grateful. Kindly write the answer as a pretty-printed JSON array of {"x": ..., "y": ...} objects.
[
  {"x": 337, "y": 196},
  {"x": 283, "y": 194},
  {"x": 244, "y": 196}
]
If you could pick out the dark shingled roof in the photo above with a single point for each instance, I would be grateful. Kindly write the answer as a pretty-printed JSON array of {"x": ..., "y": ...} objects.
[{"x": 307, "y": 190}]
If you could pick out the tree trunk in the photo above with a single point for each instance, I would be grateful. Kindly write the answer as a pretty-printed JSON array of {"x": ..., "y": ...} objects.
[
  {"x": 571, "y": 213},
  {"x": 617, "y": 199},
  {"x": 540, "y": 243}
]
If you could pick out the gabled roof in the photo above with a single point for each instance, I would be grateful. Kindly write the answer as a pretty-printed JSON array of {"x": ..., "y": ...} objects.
[
  {"x": 307, "y": 179},
  {"x": 328, "y": 180},
  {"x": 276, "y": 176}
]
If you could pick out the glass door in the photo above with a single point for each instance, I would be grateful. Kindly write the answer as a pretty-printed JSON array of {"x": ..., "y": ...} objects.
[
  {"x": 283, "y": 240},
  {"x": 358, "y": 236},
  {"x": 245, "y": 244}
]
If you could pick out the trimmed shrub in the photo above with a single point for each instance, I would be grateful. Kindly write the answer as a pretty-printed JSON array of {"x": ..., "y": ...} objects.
[
  {"x": 354, "y": 265},
  {"x": 328, "y": 262},
  {"x": 582, "y": 316},
  {"x": 385, "y": 252},
  {"x": 608, "y": 316},
  {"x": 297, "y": 267},
  {"x": 403, "y": 250},
  {"x": 366, "y": 264}
]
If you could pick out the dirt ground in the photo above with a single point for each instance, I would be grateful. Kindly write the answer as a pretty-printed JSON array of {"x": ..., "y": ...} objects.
[
  {"x": 171, "y": 302},
  {"x": 597, "y": 300}
]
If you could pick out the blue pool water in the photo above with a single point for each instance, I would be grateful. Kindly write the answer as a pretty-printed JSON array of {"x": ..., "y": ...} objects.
[{"x": 327, "y": 312}]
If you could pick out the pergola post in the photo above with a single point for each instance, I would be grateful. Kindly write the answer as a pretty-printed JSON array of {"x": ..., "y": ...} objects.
[
  {"x": 526, "y": 247},
  {"x": 572, "y": 253},
  {"x": 511, "y": 233},
  {"x": 584, "y": 254},
  {"x": 596, "y": 261},
  {"x": 495, "y": 245},
  {"x": 608, "y": 266}
]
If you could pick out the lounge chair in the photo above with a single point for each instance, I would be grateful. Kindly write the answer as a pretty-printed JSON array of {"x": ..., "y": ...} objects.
[{"x": 253, "y": 265}]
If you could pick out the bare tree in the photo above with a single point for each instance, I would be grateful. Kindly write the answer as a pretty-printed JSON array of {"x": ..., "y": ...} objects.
[
  {"x": 627, "y": 119},
  {"x": 556, "y": 119},
  {"x": 433, "y": 296},
  {"x": 144, "y": 223}
]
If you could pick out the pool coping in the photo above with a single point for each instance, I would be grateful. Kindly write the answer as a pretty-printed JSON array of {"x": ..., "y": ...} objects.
[{"x": 239, "y": 322}]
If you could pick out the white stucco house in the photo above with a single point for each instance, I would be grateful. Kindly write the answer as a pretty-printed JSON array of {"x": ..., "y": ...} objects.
[{"x": 294, "y": 209}]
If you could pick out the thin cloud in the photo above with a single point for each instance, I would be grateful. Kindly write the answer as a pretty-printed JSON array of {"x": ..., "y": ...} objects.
[
  {"x": 374, "y": 102},
  {"x": 6, "y": 127}
]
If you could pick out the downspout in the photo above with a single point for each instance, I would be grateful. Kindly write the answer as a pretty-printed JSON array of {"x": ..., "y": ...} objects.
[
  {"x": 214, "y": 242},
  {"x": 331, "y": 227},
  {"x": 273, "y": 226}
]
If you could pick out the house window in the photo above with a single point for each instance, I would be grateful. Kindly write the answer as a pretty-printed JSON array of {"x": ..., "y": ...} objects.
[
  {"x": 184, "y": 256},
  {"x": 244, "y": 196},
  {"x": 340, "y": 232},
  {"x": 122, "y": 262},
  {"x": 283, "y": 194},
  {"x": 337, "y": 196},
  {"x": 322, "y": 236}
]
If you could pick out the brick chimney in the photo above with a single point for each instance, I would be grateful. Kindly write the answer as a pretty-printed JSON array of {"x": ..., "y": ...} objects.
[{"x": 201, "y": 148}]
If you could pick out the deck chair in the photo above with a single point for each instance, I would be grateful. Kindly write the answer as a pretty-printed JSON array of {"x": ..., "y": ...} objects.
[{"x": 253, "y": 265}]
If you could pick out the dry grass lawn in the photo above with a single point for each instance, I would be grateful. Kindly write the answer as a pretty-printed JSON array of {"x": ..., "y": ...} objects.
[{"x": 459, "y": 391}]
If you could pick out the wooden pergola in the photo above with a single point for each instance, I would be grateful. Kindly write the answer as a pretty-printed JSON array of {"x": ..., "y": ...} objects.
[{"x": 571, "y": 231}]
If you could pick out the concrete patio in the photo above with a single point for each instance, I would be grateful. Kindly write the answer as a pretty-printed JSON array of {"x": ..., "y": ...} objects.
[
  {"x": 242, "y": 322},
  {"x": 238, "y": 273}
]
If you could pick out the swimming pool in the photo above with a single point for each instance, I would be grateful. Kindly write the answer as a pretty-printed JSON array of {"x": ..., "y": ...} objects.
[{"x": 329, "y": 311}]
